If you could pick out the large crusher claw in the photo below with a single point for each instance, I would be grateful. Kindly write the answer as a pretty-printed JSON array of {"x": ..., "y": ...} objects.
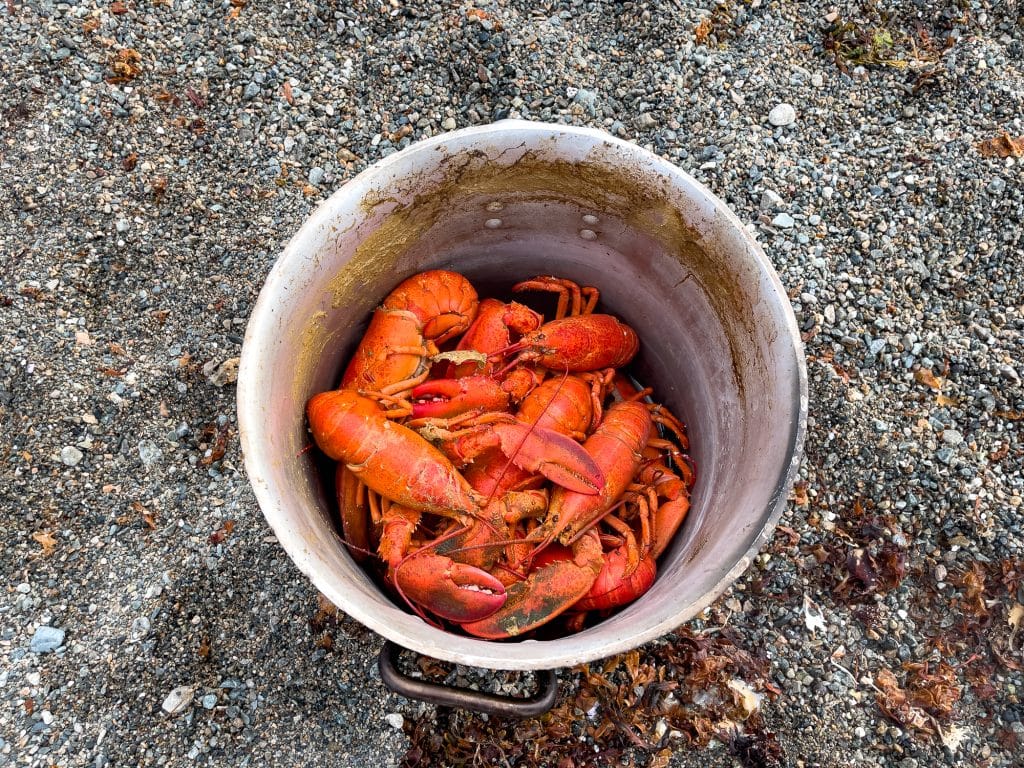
[
  {"x": 560, "y": 459},
  {"x": 448, "y": 589},
  {"x": 548, "y": 591}
]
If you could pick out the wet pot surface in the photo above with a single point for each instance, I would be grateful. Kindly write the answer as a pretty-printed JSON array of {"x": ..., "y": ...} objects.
[{"x": 505, "y": 203}]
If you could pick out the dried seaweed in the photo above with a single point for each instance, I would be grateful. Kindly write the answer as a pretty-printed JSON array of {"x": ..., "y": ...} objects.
[
  {"x": 631, "y": 707},
  {"x": 874, "y": 564}
]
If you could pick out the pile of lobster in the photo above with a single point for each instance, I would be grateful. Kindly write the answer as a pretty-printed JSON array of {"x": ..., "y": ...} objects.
[{"x": 509, "y": 478}]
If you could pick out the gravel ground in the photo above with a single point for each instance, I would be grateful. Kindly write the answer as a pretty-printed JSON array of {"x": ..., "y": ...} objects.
[{"x": 156, "y": 156}]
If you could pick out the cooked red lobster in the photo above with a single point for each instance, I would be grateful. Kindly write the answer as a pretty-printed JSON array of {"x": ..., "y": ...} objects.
[{"x": 500, "y": 466}]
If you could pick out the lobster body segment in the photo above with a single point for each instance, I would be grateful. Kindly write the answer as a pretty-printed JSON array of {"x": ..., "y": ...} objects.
[
  {"x": 390, "y": 459},
  {"x": 422, "y": 313}
]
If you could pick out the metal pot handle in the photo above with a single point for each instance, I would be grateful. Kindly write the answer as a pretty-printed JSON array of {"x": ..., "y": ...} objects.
[{"x": 449, "y": 696}]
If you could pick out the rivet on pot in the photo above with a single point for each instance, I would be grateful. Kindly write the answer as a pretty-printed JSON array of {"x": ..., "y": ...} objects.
[
  {"x": 588, "y": 234},
  {"x": 589, "y": 218},
  {"x": 495, "y": 205},
  {"x": 492, "y": 223}
]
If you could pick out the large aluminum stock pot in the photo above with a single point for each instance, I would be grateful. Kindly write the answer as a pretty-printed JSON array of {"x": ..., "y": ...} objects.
[{"x": 501, "y": 203}]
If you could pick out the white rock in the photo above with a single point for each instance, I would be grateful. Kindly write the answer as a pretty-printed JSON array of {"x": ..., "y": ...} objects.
[
  {"x": 179, "y": 699},
  {"x": 70, "y": 455},
  {"x": 783, "y": 221},
  {"x": 770, "y": 200},
  {"x": 783, "y": 114},
  {"x": 395, "y": 720}
]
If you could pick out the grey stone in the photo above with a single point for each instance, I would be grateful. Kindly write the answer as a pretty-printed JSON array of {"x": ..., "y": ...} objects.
[{"x": 46, "y": 639}]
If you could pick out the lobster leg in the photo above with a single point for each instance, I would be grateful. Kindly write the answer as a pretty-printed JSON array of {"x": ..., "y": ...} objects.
[
  {"x": 567, "y": 290},
  {"x": 354, "y": 512}
]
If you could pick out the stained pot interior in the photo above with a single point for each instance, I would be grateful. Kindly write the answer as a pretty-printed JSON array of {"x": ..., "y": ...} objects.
[{"x": 717, "y": 344}]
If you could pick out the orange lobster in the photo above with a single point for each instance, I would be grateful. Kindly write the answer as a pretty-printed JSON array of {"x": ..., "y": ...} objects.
[
  {"x": 405, "y": 331},
  {"x": 471, "y": 385}
]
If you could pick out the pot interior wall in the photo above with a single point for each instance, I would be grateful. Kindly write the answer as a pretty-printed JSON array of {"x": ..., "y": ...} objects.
[
  {"x": 685, "y": 352},
  {"x": 716, "y": 343}
]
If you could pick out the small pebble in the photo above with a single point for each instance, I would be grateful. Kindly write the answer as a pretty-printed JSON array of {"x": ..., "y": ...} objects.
[
  {"x": 149, "y": 453},
  {"x": 783, "y": 221},
  {"x": 782, "y": 115},
  {"x": 209, "y": 701},
  {"x": 395, "y": 720},
  {"x": 70, "y": 455},
  {"x": 316, "y": 175},
  {"x": 46, "y": 640},
  {"x": 178, "y": 700},
  {"x": 952, "y": 436}
]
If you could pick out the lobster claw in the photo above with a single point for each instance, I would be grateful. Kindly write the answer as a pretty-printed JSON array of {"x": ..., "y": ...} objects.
[
  {"x": 445, "y": 398},
  {"x": 548, "y": 591},
  {"x": 559, "y": 458},
  {"x": 448, "y": 589}
]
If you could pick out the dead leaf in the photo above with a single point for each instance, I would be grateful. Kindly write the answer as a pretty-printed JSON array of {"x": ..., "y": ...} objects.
[
  {"x": 929, "y": 379},
  {"x": 1000, "y": 453},
  {"x": 702, "y": 30},
  {"x": 1014, "y": 619},
  {"x": 198, "y": 101},
  {"x": 147, "y": 517},
  {"x": 90, "y": 24},
  {"x": 223, "y": 532},
  {"x": 945, "y": 402},
  {"x": 1010, "y": 415},
  {"x": 800, "y": 494},
  {"x": 117, "y": 7},
  {"x": 286, "y": 89},
  {"x": 46, "y": 540},
  {"x": 126, "y": 65},
  {"x": 1004, "y": 145}
]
